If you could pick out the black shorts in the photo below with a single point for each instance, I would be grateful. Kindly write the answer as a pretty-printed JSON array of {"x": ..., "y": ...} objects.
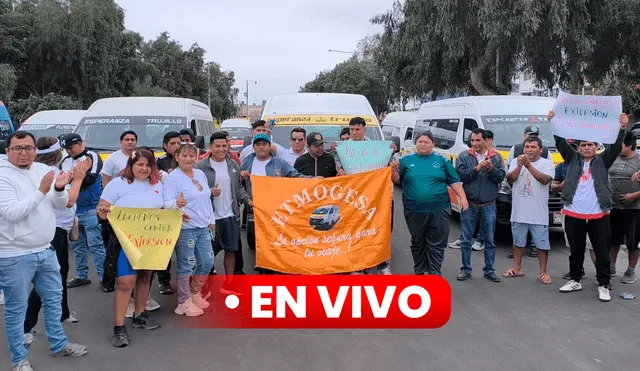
[
  {"x": 625, "y": 223},
  {"x": 227, "y": 235}
]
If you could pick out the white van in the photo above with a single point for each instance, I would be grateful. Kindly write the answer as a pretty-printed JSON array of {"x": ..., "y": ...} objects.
[
  {"x": 150, "y": 117},
  {"x": 326, "y": 113},
  {"x": 52, "y": 123},
  {"x": 452, "y": 120},
  {"x": 400, "y": 124},
  {"x": 238, "y": 129}
]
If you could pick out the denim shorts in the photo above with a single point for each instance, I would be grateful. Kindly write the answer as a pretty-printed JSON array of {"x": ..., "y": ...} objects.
[{"x": 539, "y": 235}]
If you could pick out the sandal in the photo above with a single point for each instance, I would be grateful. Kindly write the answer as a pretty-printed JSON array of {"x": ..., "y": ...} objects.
[
  {"x": 544, "y": 279},
  {"x": 511, "y": 273}
]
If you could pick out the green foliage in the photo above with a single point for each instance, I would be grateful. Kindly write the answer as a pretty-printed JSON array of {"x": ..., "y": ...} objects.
[
  {"x": 21, "y": 109},
  {"x": 8, "y": 82},
  {"x": 81, "y": 49}
]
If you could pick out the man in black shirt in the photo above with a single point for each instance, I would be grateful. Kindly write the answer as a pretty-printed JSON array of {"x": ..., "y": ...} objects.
[
  {"x": 317, "y": 161},
  {"x": 170, "y": 143}
]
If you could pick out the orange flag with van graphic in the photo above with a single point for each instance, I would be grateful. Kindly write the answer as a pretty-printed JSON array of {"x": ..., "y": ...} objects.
[{"x": 323, "y": 226}]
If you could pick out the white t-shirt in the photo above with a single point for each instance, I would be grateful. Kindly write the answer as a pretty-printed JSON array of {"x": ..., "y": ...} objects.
[
  {"x": 223, "y": 204},
  {"x": 64, "y": 218},
  {"x": 290, "y": 156},
  {"x": 585, "y": 200},
  {"x": 198, "y": 206},
  {"x": 259, "y": 167},
  {"x": 138, "y": 194},
  {"x": 530, "y": 198},
  {"x": 114, "y": 164},
  {"x": 482, "y": 157}
]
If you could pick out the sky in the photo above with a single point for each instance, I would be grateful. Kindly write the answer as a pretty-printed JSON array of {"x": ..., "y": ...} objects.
[{"x": 281, "y": 44}]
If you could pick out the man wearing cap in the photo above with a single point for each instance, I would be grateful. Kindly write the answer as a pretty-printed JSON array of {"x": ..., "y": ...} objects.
[
  {"x": 261, "y": 162},
  {"x": 260, "y": 127},
  {"x": 317, "y": 161},
  {"x": 515, "y": 152},
  {"x": 90, "y": 230}
]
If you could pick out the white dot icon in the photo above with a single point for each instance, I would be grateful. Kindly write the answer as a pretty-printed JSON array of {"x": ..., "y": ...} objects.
[{"x": 232, "y": 302}]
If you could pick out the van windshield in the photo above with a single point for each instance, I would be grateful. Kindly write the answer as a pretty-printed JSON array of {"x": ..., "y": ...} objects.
[
  {"x": 40, "y": 131},
  {"x": 104, "y": 132},
  {"x": 508, "y": 130},
  {"x": 5, "y": 129},
  {"x": 331, "y": 133}
]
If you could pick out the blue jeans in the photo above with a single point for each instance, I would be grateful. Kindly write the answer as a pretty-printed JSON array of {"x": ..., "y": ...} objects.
[
  {"x": 16, "y": 274},
  {"x": 487, "y": 216},
  {"x": 195, "y": 257},
  {"x": 90, "y": 240}
]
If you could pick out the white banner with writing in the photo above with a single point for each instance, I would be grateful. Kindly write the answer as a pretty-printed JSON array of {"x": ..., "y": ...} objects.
[{"x": 587, "y": 117}]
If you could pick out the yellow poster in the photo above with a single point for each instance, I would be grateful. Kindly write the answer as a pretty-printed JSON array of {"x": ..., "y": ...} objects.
[
  {"x": 323, "y": 226},
  {"x": 318, "y": 120},
  {"x": 147, "y": 236}
]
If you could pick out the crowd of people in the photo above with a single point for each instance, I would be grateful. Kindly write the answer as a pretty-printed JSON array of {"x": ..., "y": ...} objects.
[{"x": 50, "y": 200}]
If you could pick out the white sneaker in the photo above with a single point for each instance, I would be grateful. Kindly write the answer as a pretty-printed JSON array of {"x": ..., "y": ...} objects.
[
  {"x": 385, "y": 271},
  {"x": 151, "y": 305},
  {"x": 188, "y": 309},
  {"x": 455, "y": 244},
  {"x": 571, "y": 286},
  {"x": 130, "y": 309},
  {"x": 72, "y": 318},
  {"x": 199, "y": 301},
  {"x": 1, "y": 297},
  {"x": 28, "y": 339},
  {"x": 477, "y": 246},
  {"x": 603, "y": 293}
]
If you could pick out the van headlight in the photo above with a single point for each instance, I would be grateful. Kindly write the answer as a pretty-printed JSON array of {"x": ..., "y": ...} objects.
[{"x": 505, "y": 188}]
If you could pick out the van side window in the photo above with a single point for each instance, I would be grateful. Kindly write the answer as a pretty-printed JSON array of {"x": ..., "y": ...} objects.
[
  {"x": 421, "y": 125},
  {"x": 387, "y": 131},
  {"x": 469, "y": 126},
  {"x": 444, "y": 132},
  {"x": 409, "y": 134}
]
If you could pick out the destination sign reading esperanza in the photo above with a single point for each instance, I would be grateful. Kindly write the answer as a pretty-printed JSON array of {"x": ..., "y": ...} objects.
[{"x": 135, "y": 120}]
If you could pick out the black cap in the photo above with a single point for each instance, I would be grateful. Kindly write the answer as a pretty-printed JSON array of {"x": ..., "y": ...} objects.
[
  {"x": 532, "y": 130},
  {"x": 315, "y": 139},
  {"x": 69, "y": 140}
]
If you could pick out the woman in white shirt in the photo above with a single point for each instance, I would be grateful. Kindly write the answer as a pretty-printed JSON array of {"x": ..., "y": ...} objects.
[
  {"x": 50, "y": 153},
  {"x": 189, "y": 187},
  {"x": 138, "y": 186}
]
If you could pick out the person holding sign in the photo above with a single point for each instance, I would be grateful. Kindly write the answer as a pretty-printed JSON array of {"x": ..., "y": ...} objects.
[
  {"x": 186, "y": 188},
  {"x": 424, "y": 177},
  {"x": 587, "y": 203},
  {"x": 139, "y": 186}
]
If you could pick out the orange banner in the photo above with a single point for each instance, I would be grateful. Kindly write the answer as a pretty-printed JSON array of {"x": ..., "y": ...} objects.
[{"x": 323, "y": 226}]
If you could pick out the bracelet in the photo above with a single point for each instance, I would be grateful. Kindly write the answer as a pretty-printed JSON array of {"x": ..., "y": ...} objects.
[{"x": 58, "y": 190}]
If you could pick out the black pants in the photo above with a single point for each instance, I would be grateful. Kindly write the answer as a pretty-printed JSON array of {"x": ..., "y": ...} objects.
[
  {"x": 164, "y": 277},
  {"x": 112, "y": 247},
  {"x": 429, "y": 236},
  {"x": 599, "y": 234},
  {"x": 61, "y": 246}
]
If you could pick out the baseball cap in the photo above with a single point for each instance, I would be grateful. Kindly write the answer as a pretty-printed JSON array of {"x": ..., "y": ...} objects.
[
  {"x": 532, "y": 130},
  {"x": 260, "y": 137},
  {"x": 69, "y": 140},
  {"x": 315, "y": 139}
]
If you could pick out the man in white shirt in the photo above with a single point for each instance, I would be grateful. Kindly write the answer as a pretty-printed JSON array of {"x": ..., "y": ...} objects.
[
  {"x": 296, "y": 140},
  {"x": 29, "y": 195},
  {"x": 261, "y": 127},
  {"x": 530, "y": 175},
  {"x": 117, "y": 161}
]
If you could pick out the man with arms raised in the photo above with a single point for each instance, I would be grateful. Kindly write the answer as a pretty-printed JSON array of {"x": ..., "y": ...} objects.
[{"x": 29, "y": 195}]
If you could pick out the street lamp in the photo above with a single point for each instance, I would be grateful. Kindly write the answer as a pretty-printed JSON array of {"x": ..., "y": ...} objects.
[
  {"x": 248, "y": 81},
  {"x": 339, "y": 51}
]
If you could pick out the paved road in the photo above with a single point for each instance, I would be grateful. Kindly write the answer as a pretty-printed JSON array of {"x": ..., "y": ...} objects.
[{"x": 518, "y": 324}]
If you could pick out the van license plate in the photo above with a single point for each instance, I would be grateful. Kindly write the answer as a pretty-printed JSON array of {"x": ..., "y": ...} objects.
[{"x": 557, "y": 218}]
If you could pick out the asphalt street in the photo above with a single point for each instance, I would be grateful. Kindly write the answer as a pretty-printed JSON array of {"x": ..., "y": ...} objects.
[{"x": 518, "y": 324}]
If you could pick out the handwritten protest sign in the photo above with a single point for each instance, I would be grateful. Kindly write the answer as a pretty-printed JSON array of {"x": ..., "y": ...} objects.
[
  {"x": 147, "y": 236},
  {"x": 585, "y": 117},
  {"x": 323, "y": 226},
  {"x": 362, "y": 156}
]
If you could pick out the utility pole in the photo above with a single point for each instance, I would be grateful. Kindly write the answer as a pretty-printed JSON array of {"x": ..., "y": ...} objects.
[{"x": 255, "y": 82}]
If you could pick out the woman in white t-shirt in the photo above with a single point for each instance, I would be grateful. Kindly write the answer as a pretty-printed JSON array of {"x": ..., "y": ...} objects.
[
  {"x": 187, "y": 188},
  {"x": 50, "y": 153},
  {"x": 138, "y": 186}
]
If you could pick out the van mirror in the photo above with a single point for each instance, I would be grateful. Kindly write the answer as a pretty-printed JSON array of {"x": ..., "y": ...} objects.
[
  {"x": 396, "y": 140},
  {"x": 200, "y": 141}
]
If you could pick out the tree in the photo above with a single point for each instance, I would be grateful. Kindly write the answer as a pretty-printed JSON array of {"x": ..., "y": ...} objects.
[
  {"x": 8, "y": 82},
  {"x": 352, "y": 77},
  {"x": 21, "y": 109}
]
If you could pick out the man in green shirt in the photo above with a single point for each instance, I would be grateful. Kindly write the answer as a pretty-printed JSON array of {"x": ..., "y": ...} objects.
[{"x": 425, "y": 177}]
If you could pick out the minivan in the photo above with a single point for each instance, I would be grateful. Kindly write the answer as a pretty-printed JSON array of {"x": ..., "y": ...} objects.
[
  {"x": 400, "y": 124},
  {"x": 52, "y": 123}
]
